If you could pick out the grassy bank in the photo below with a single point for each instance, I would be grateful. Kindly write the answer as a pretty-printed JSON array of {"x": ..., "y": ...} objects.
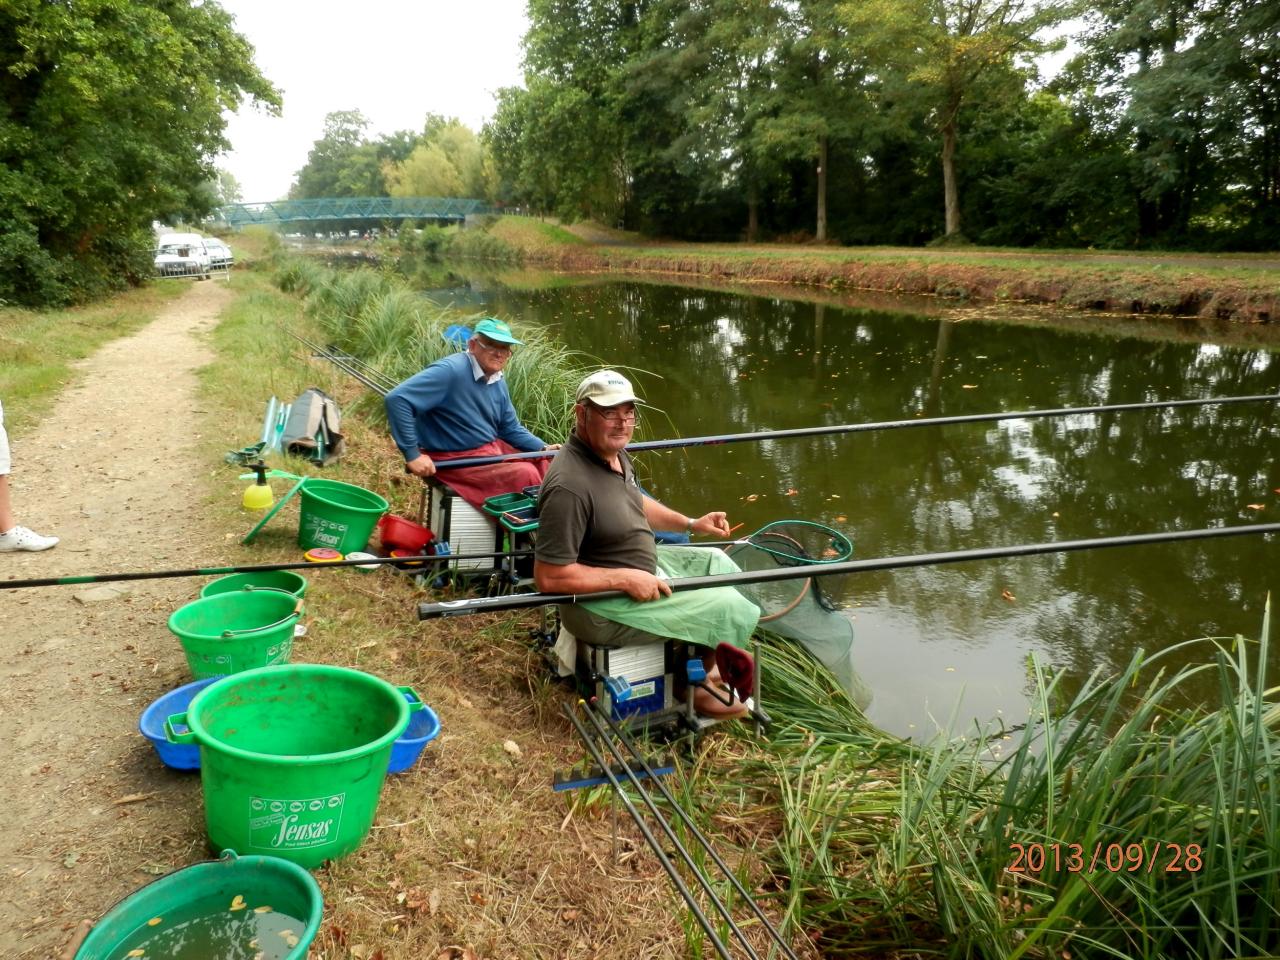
[
  {"x": 1119, "y": 826},
  {"x": 472, "y": 853},
  {"x": 1244, "y": 288}
]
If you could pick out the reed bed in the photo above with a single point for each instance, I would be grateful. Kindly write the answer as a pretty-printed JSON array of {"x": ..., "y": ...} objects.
[
  {"x": 1120, "y": 826},
  {"x": 379, "y": 318}
]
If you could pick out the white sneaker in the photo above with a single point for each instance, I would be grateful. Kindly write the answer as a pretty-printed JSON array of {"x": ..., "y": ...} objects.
[{"x": 20, "y": 538}]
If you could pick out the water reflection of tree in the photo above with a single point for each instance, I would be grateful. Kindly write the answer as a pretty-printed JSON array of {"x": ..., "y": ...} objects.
[{"x": 732, "y": 363}]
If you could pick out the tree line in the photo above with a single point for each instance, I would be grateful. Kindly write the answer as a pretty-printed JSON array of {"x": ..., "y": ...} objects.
[
  {"x": 901, "y": 121},
  {"x": 111, "y": 115}
]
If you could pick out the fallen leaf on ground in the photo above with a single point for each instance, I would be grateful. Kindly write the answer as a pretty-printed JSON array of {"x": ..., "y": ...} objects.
[
  {"x": 568, "y": 916},
  {"x": 1255, "y": 506},
  {"x": 841, "y": 519},
  {"x": 134, "y": 798},
  {"x": 792, "y": 491},
  {"x": 1008, "y": 596},
  {"x": 751, "y": 497},
  {"x": 968, "y": 386}
]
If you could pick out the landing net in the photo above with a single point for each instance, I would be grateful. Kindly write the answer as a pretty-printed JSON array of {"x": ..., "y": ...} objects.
[{"x": 799, "y": 609}]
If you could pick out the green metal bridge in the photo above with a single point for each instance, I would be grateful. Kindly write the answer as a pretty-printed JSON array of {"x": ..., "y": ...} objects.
[{"x": 343, "y": 210}]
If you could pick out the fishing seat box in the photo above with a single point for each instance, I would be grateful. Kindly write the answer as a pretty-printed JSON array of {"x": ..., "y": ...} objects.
[{"x": 464, "y": 528}]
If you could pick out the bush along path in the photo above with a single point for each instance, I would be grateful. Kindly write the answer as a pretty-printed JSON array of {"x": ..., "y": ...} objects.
[{"x": 112, "y": 472}]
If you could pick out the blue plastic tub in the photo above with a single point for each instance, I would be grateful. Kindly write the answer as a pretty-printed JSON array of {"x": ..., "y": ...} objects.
[
  {"x": 423, "y": 727},
  {"x": 151, "y": 726}
]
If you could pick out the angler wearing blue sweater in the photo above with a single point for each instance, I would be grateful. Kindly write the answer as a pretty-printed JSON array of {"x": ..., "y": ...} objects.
[{"x": 459, "y": 407}]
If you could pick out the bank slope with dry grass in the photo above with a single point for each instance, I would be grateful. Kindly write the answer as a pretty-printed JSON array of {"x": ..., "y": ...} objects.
[{"x": 1244, "y": 288}]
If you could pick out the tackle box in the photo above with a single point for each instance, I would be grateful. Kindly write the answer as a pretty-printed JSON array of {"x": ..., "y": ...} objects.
[{"x": 515, "y": 511}]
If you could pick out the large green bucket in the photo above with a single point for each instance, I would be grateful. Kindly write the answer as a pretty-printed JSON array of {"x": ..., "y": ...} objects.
[
  {"x": 286, "y": 580},
  {"x": 203, "y": 895},
  {"x": 337, "y": 515},
  {"x": 292, "y": 758},
  {"x": 230, "y": 632}
]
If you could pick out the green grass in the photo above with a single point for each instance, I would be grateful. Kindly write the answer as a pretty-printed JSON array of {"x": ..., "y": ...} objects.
[
  {"x": 891, "y": 848},
  {"x": 1178, "y": 284}
]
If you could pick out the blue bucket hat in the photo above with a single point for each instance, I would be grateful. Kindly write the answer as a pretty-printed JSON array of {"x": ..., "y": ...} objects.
[{"x": 496, "y": 329}]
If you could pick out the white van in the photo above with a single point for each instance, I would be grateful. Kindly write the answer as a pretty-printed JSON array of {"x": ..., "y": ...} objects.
[{"x": 182, "y": 255}]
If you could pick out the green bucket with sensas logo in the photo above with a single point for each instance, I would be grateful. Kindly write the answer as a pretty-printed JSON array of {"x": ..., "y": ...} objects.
[
  {"x": 229, "y": 632},
  {"x": 337, "y": 515},
  {"x": 292, "y": 758}
]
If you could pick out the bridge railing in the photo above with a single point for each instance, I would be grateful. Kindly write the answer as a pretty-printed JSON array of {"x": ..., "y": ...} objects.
[{"x": 351, "y": 208}]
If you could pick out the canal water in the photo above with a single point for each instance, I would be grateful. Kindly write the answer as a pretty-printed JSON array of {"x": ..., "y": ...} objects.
[{"x": 950, "y": 647}]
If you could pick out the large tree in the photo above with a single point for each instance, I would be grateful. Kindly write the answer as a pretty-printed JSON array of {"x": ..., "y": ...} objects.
[
  {"x": 940, "y": 50},
  {"x": 111, "y": 117}
]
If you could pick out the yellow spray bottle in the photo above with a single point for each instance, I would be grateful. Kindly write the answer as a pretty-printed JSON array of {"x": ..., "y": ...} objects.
[{"x": 258, "y": 495}]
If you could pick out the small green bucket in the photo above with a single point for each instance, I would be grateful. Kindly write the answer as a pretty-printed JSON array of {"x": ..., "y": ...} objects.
[
  {"x": 337, "y": 515},
  {"x": 204, "y": 897},
  {"x": 286, "y": 580},
  {"x": 292, "y": 758},
  {"x": 231, "y": 632}
]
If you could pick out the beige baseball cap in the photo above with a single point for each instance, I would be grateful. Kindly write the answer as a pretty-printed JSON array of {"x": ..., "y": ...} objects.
[{"x": 607, "y": 388}]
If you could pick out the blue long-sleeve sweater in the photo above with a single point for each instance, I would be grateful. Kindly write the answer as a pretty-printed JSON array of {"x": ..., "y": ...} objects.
[{"x": 446, "y": 408}]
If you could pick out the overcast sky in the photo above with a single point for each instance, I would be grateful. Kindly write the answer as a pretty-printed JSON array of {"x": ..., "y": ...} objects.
[{"x": 393, "y": 60}]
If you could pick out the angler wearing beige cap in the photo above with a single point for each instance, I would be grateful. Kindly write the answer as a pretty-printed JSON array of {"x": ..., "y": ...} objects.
[{"x": 595, "y": 532}]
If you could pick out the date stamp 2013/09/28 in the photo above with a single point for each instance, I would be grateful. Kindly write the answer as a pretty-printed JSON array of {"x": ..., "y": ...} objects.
[{"x": 1150, "y": 857}]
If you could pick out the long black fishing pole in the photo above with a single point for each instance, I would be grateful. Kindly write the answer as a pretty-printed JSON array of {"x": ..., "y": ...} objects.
[
  {"x": 868, "y": 427},
  {"x": 599, "y": 722},
  {"x": 344, "y": 363},
  {"x": 449, "y": 608},
  {"x": 423, "y": 559},
  {"x": 681, "y": 850},
  {"x": 649, "y": 838}
]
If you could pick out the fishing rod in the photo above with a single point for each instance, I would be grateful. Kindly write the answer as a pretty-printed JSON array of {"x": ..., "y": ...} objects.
[
  {"x": 708, "y": 441},
  {"x": 344, "y": 362},
  {"x": 652, "y": 841},
  {"x": 424, "y": 559},
  {"x": 449, "y": 608},
  {"x": 620, "y": 732}
]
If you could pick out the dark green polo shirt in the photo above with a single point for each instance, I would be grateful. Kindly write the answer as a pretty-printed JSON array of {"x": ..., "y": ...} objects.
[{"x": 589, "y": 514}]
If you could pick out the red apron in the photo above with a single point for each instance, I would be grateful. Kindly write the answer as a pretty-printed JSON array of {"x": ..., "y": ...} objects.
[{"x": 474, "y": 484}]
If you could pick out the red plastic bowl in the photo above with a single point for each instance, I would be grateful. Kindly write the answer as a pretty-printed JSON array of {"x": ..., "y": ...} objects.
[{"x": 397, "y": 533}]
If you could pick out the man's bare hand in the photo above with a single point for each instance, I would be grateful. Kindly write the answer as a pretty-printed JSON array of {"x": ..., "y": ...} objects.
[
  {"x": 552, "y": 446},
  {"x": 715, "y": 524},
  {"x": 641, "y": 585},
  {"x": 421, "y": 466}
]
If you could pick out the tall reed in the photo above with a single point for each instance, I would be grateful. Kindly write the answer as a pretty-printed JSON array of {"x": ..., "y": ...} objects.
[
  {"x": 1120, "y": 826},
  {"x": 379, "y": 318}
]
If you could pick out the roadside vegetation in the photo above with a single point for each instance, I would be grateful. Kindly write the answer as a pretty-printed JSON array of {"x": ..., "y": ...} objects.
[{"x": 1169, "y": 284}]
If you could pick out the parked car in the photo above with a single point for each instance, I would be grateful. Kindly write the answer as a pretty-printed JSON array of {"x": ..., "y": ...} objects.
[
  {"x": 182, "y": 255},
  {"x": 220, "y": 255}
]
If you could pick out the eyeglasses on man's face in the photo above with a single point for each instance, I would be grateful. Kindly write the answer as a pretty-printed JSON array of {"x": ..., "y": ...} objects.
[
  {"x": 614, "y": 415},
  {"x": 497, "y": 349}
]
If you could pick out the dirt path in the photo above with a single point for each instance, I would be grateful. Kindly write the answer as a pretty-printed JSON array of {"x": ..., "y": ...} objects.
[{"x": 87, "y": 813}]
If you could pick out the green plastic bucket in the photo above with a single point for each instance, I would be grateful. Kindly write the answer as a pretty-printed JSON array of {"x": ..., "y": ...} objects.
[
  {"x": 198, "y": 899},
  {"x": 230, "y": 632},
  {"x": 337, "y": 515},
  {"x": 285, "y": 580},
  {"x": 292, "y": 758}
]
